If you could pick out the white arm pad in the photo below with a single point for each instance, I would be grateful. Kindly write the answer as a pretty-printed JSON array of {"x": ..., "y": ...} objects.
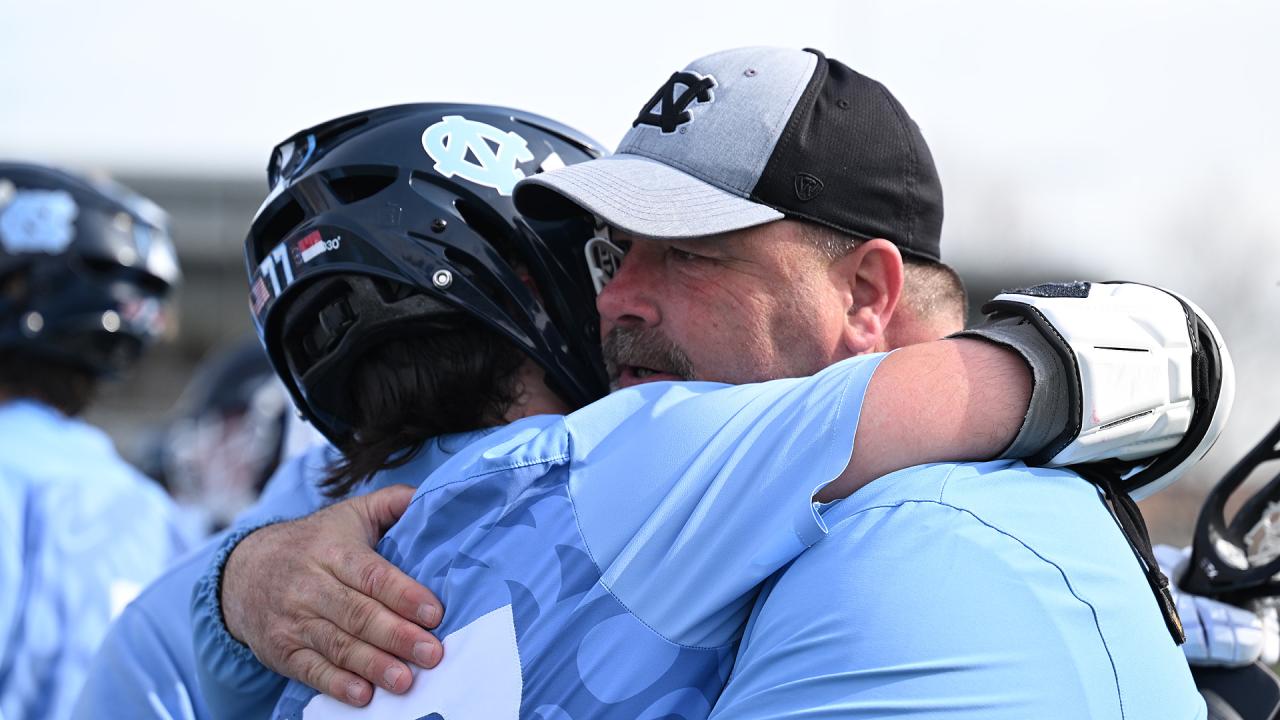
[{"x": 1137, "y": 356}]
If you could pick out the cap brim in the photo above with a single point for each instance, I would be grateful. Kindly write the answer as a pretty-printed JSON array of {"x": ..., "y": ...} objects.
[{"x": 641, "y": 196}]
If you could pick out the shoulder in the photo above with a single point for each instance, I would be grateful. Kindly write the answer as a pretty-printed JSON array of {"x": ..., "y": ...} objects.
[
  {"x": 530, "y": 441},
  {"x": 1016, "y": 562},
  {"x": 988, "y": 518},
  {"x": 1004, "y": 494},
  {"x": 524, "y": 447}
]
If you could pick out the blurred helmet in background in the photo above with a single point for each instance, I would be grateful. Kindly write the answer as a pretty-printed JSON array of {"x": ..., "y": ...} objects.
[
  {"x": 86, "y": 269},
  {"x": 228, "y": 432}
]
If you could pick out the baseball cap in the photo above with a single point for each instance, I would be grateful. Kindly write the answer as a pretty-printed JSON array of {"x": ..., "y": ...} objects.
[{"x": 748, "y": 136}]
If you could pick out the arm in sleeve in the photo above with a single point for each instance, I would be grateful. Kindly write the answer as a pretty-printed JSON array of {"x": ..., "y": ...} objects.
[
  {"x": 688, "y": 500},
  {"x": 144, "y": 667},
  {"x": 234, "y": 683},
  {"x": 232, "y": 680}
]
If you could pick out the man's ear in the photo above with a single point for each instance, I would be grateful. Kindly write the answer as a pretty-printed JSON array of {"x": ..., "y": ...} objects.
[{"x": 873, "y": 275}]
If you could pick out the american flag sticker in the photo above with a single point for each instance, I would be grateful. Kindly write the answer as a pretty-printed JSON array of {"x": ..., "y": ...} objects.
[
  {"x": 311, "y": 246},
  {"x": 258, "y": 295}
]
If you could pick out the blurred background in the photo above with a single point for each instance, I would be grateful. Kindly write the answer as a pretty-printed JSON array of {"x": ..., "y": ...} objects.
[{"x": 1086, "y": 139}]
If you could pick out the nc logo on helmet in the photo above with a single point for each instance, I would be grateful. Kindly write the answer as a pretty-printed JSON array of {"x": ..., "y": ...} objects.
[
  {"x": 38, "y": 221},
  {"x": 478, "y": 152}
]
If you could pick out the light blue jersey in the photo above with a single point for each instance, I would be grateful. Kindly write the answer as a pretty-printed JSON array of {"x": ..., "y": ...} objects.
[
  {"x": 602, "y": 564},
  {"x": 985, "y": 591},
  {"x": 146, "y": 667},
  {"x": 81, "y": 533}
]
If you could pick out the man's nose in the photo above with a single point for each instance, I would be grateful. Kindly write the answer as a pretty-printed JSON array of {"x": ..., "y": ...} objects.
[{"x": 629, "y": 298}]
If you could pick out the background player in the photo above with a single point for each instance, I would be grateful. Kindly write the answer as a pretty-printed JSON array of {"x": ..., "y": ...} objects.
[{"x": 86, "y": 270}]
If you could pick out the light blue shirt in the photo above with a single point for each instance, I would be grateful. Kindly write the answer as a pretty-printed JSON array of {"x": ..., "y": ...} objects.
[
  {"x": 602, "y": 564},
  {"x": 81, "y": 533},
  {"x": 146, "y": 667},
  {"x": 973, "y": 591},
  {"x": 233, "y": 683}
]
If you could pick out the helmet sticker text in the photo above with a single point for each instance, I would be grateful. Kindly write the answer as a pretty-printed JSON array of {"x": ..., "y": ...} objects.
[
  {"x": 38, "y": 221},
  {"x": 259, "y": 293},
  {"x": 475, "y": 151},
  {"x": 313, "y": 246}
]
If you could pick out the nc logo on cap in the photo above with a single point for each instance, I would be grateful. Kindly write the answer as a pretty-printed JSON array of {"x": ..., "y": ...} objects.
[
  {"x": 455, "y": 142},
  {"x": 674, "y": 111}
]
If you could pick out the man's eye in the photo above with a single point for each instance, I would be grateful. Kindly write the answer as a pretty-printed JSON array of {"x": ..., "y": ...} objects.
[{"x": 684, "y": 255}]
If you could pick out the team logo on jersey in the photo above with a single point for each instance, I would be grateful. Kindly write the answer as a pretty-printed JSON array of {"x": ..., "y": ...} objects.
[
  {"x": 476, "y": 151},
  {"x": 38, "y": 221},
  {"x": 666, "y": 111}
]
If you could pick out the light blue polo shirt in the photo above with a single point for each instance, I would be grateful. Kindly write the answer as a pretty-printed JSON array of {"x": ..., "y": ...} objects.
[{"x": 987, "y": 591}]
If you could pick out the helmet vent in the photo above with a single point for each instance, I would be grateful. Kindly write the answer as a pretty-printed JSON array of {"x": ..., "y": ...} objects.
[
  {"x": 281, "y": 222},
  {"x": 494, "y": 228},
  {"x": 363, "y": 183}
]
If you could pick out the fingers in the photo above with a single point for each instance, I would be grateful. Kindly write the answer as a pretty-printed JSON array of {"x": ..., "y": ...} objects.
[
  {"x": 382, "y": 508},
  {"x": 331, "y": 612},
  {"x": 370, "y": 622},
  {"x": 370, "y": 574},
  {"x": 352, "y": 654},
  {"x": 311, "y": 668}
]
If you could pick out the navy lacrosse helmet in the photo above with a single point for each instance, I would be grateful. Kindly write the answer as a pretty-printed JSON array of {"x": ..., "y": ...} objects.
[
  {"x": 85, "y": 269},
  {"x": 397, "y": 220}
]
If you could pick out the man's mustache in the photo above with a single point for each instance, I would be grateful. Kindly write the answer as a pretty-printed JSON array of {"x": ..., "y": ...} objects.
[{"x": 646, "y": 348}]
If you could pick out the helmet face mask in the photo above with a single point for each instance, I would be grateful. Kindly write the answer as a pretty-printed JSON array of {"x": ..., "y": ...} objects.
[
  {"x": 85, "y": 269},
  {"x": 433, "y": 236}
]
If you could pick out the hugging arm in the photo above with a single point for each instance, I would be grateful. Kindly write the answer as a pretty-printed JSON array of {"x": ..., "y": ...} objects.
[{"x": 958, "y": 399}]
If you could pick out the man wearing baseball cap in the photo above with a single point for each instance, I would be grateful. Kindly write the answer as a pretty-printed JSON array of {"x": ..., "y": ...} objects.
[
  {"x": 756, "y": 301},
  {"x": 966, "y": 590}
]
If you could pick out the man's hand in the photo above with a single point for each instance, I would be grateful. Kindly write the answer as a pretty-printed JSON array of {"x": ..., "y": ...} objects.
[{"x": 314, "y": 601}]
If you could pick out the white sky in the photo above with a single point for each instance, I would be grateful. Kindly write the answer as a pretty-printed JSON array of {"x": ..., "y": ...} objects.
[
  {"x": 1094, "y": 107},
  {"x": 1135, "y": 138}
]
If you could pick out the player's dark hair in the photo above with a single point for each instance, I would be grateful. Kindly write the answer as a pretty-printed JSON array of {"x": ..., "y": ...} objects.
[
  {"x": 405, "y": 391},
  {"x": 54, "y": 382}
]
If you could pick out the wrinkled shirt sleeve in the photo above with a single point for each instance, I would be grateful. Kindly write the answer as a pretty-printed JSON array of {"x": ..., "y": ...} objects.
[
  {"x": 144, "y": 667},
  {"x": 232, "y": 681}
]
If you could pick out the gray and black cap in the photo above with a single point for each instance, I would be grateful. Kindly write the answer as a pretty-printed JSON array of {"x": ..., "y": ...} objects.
[{"x": 749, "y": 136}]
